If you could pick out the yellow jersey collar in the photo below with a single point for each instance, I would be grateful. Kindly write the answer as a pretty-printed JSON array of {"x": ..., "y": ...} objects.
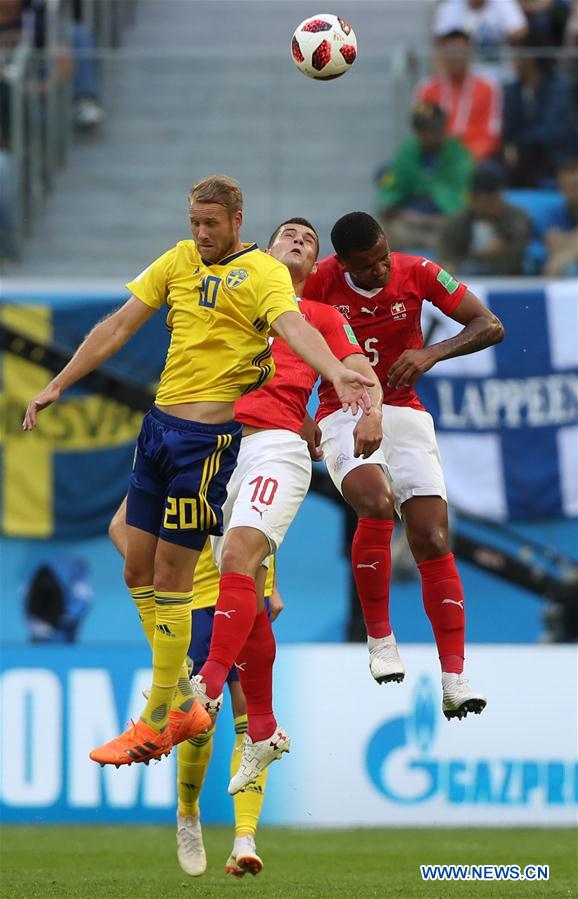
[{"x": 247, "y": 248}]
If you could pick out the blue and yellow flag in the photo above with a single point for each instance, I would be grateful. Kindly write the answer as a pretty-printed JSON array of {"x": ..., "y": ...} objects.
[{"x": 67, "y": 477}]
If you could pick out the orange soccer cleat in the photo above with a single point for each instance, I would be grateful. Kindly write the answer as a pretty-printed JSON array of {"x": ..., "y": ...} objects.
[
  {"x": 186, "y": 725},
  {"x": 140, "y": 743}
]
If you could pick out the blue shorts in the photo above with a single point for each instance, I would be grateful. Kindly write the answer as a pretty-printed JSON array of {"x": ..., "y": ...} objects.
[
  {"x": 202, "y": 631},
  {"x": 179, "y": 479}
]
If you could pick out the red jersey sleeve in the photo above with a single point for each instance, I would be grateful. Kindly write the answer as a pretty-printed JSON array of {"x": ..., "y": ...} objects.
[
  {"x": 439, "y": 287},
  {"x": 335, "y": 328}
]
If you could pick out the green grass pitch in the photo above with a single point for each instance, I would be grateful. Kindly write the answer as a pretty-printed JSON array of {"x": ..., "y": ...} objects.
[{"x": 140, "y": 862}]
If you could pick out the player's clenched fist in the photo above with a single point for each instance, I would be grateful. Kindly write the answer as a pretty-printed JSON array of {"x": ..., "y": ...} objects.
[
  {"x": 43, "y": 399},
  {"x": 368, "y": 434},
  {"x": 409, "y": 366}
]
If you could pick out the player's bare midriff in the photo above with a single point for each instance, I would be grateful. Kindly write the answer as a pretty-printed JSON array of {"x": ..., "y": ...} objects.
[
  {"x": 251, "y": 429},
  {"x": 208, "y": 413}
]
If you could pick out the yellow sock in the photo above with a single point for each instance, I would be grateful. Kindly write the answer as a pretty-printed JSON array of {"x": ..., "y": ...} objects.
[
  {"x": 144, "y": 599},
  {"x": 249, "y": 802},
  {"x": 193, "y": 760},
  {"x": 172, "y": 636}
]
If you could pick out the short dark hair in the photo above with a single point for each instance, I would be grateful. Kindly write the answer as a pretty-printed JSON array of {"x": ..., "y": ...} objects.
[
  {"x": 355, "y": 232},
  {"x": 297, "y": 220},
  {"x": 427, "y": 116}
]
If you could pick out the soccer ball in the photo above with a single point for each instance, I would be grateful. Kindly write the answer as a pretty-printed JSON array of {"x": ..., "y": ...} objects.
[{"x": 324, "y": 47}]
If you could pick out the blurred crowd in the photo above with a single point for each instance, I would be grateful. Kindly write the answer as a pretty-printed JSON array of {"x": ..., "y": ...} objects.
[
  {"x": 48, "y": 67},
  {"x": 487, "y": 181}
]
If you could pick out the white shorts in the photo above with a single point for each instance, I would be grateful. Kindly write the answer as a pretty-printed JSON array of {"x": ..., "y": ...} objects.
[
  {"x": 267, "y": 487},
  {"x": 409, "y": 453}
]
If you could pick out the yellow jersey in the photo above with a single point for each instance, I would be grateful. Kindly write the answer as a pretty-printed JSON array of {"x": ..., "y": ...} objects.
[
  {"x": 219, "y": 318},
  {"x": 206, "y": 580}
]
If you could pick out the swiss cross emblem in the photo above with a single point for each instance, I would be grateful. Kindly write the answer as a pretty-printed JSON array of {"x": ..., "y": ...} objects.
[{"x": 397, "y": 308}]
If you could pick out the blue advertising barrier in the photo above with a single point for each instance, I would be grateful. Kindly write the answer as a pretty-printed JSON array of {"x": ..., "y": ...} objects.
[{"x": 394, "y": 757}]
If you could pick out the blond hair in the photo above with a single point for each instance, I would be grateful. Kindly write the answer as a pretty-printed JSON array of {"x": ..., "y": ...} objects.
[{"x": 218, "y": 189}]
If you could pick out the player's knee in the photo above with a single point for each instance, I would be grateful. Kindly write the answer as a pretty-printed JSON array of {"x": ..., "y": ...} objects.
[
  {"x": 243, "y": 551},
  {"x": 136, "y": 575},
  {"x": 377, "y": 506},
  {"x": 171, "y": 575},
  {"x": 236, "y": 560},
  {"x": 428, "y": 542}
]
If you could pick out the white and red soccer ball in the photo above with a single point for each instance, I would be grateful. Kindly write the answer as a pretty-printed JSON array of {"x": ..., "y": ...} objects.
[{"x": 324, "y": 47}]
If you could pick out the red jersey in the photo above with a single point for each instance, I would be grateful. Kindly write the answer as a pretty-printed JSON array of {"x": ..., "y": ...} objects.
[
  {"x": 282, "y": 403},
  {"x": 386, "y": 321}
]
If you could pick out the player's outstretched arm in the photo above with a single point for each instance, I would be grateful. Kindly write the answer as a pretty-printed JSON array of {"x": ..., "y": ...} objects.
[
  {"x": 307, "y": 342},
  {"x": 368, "y": 432},
  {"x": 102, "y": 342},
  {"x": 481, "y": 329}
]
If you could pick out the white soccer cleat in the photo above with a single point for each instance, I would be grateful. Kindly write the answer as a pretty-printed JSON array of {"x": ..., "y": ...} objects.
[
  {"x": 459, "y": 698},
  {"x": 190, "y": 848},
  {"x": 258, "y": 756},
  {"x": 384, "y": 661},
  {"x": 212, "y": 706},
  {"x": 243, "y": 858}
]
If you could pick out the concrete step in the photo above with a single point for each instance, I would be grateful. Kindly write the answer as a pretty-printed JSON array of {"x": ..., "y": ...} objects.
[{"x": 199, "y": 88}]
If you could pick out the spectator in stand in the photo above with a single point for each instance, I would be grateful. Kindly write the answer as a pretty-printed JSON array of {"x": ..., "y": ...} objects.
[
  {"x": 562, "y": 236},
  {"x": 88, "y": 113},
  {"x": 428, "y": 181},
  {"x": 10, "y": 23},
  {"x": 570, "y": 42},
  {"x": 490, "y": 236},
  {"x": 11, "y": 26},
  {"x": 491, "y": 25},
  {"x": 76, "y": 46},
  {"x": 8, "y": 177},
  {"x": 547, "y": 17},
  {"x": 538, "y": 129},
  {"x": 472, "y": 104}
]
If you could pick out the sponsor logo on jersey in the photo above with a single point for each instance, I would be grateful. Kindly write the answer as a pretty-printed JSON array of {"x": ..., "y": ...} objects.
[
  {"x": 370, "y": 311},
  {"x": 344, "y": 310},
  {"x": 235, "y": 277},
  {"x": 398, "y": 310},
  {"x": 447, "y": 281}
]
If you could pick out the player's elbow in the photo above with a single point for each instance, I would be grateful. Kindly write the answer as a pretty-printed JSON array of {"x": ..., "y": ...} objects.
[{"x": 497, "y": 331}]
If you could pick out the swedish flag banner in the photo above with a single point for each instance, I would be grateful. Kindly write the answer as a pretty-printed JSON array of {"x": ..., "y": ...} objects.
[
  {"x": 507, "y": 418},
  {"x": 66, "y": 478}
]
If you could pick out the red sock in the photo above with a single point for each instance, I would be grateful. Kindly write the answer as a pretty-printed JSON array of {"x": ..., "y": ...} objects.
[
  {"x": 371, "y": 562},
  {"x": 443, "y": 599},
  {"x": 255, "y": 667},
  {"x": 234, "y": 616}
]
